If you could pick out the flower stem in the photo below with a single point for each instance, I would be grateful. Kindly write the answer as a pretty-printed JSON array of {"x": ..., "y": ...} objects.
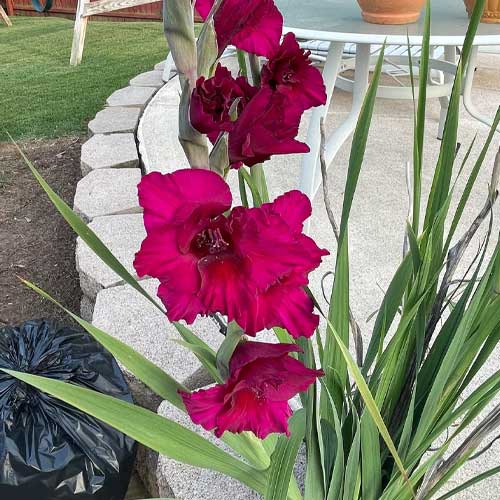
[
  {"x": 259, "y": 178},
  {"x": 242, "y": 62},
  {"x": 231, "y": 340}
]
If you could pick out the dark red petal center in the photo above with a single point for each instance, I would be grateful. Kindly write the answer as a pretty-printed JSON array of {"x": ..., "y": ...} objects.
[{"x": 211, "y": 241}]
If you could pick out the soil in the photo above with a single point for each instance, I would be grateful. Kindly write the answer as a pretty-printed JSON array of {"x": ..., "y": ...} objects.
[{"x": 36, "y": 243}]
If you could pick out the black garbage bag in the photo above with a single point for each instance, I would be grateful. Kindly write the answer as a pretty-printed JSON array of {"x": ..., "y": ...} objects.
[{"x": 48, "y": 449}]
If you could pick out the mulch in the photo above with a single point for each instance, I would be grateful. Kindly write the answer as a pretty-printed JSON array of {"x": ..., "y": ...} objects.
[{"x": 35, "y": 241}]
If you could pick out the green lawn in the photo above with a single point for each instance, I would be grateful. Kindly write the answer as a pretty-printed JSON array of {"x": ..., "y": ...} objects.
[{"x": 41, "y": 95}]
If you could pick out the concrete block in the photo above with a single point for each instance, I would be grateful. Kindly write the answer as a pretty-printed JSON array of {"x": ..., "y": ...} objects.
[
  {"x": 109, "y": 151},
  {"x": 148, "y": 79},
  {"x": 123, "y": 235},
  {"x": 115, "y": 119},
  {"x": 108, "y": 191},
  {"x": 136, "y": 97},
  {"x": 192, "y": 483}
]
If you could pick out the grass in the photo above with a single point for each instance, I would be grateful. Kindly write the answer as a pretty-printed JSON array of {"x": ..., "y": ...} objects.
[{"x": 41, "y": 95}]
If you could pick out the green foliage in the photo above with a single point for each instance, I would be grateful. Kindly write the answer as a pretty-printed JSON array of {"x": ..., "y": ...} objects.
[
  {"x": 158, "y": 433},
  {"x": 283, "y": 459}
]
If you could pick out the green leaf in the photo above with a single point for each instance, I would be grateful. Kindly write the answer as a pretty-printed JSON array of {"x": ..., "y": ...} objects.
[
  {"x": 370, "y": 404},
  {"x": 218, "y": 159},
  {"x": 471, "y": 180},
  {"x": 414, "y": 248},
  {"x": 207, "y": 49},
  {"x": 86, "y": 234},
  {"x": 371, "y": 466},
  {"x": 153, "y": 377},
  {"x": 259, "y": 179},
  {"x": 418, "y": 151},
  {"x": 359, "y": 141},
  {"x": 388, "y": 309},
  {"x": 352, "y": 467},
  {"x": 338, "y": 314},
  {"x": 233, "y": 337},
  {"x": 243, "y": 189},
  {"x": 314, "y": 482},
  {"x": 460, "y": 322},
  {"x": 335, "y": 488},
  {"x": 470, "y": 482},
  {"x": 283, "y": 458},
  {"x": 158, "y": 433}
]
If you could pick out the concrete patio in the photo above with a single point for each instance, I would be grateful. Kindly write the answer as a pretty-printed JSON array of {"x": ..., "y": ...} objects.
[{"x": 376, "y": 239}]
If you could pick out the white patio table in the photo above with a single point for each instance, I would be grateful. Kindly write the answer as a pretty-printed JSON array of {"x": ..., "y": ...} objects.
[{"x": 339, "y": 22}]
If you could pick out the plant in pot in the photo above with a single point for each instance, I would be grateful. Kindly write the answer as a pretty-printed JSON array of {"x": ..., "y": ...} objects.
[
  {"x": 491, "y": 13},
  {"x": 391, "y": 11},
  {"x": 377, "y": 424}
]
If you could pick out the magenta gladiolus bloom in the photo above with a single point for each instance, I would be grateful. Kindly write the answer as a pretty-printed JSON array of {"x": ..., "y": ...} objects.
[
  {"x": 251, "y": 265},
  {"x": 267, "y": 126},
  {"x": 251, "y": 25},
  {"x": 262, "y": 379},
  {"x": 212, "y": 99},
  {"x": 289, "y": 71}
]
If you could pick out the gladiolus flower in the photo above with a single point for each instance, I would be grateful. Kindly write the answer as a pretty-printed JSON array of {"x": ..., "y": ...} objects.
[
  {"x": 289, "y": 71},
  {"x": 251, "y": 25},
  {"x": 251, "y": 265},
  {"x": 213, "y": 98},
  {"x": 267, "y": 126},
  {"x": 262, "y": 379}
]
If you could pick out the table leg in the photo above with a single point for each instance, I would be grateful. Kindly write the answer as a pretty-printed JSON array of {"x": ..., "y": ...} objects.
[
  {"x": 467, "y": 90},
  {"x": 360, "y": 86},
  {"x": 450, "y": 55},
  {"x": 310, "y": 168}
]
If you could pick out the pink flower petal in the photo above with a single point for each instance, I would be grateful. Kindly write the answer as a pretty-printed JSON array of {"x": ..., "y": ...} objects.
[
  {"x": 263, "y": 377},
  {"x": 251, "y": 25},
  {"x": 251, "y": 351},
  {"x": 223, "y": 288},
  {"x": 174, "y": 198},
  {"x": 294, "y": 207},
  {"x": 204, "y": 405},
  {"x": 289, "y": 307},
  {"x": 289, "y": 71},
  {"x": 247, "y": 413},
  {"x": 267, "y": 126},
  {"x": 270, "y": 250}
]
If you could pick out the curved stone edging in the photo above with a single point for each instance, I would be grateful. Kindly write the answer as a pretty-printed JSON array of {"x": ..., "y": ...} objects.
[
  {"x": 110, "y": 164},
  {"x": 106, "y": 198}
]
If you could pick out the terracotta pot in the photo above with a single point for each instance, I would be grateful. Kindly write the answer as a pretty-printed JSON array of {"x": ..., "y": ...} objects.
[
  {"x": 491, "y": 12},
  {"x": 391, "y": 11}
]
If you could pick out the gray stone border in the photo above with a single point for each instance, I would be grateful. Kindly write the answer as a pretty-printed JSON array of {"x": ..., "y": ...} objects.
[
  {"x": 106, "y": 198},
  {"x": 111, "y": 167}
]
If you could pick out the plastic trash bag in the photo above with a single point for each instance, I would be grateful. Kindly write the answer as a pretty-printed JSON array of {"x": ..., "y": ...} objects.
[{"x": 48, "y": 449}]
